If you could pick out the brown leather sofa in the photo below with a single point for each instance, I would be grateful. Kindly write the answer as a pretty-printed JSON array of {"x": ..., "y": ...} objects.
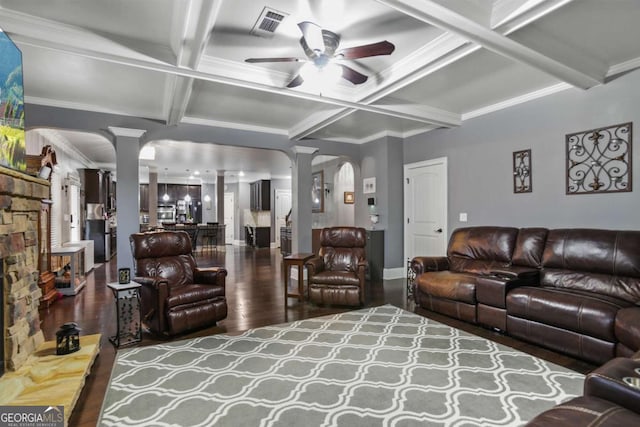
[
  {"x": 575, "y": 291},
  {"x": 608, "y": 400},
  {"x": 176, "y": 296},
  {"x": 337, "y": 274}
]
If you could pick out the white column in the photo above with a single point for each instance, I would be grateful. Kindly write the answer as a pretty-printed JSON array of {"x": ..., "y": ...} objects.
[
  {"x": 301, "y": 201},
  {"x": 127, "y": 201}
]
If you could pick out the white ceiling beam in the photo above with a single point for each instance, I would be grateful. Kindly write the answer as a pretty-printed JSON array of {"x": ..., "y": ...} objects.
[
  {"x": 445, "y": 118},
  {"x": 430, "y": 58},
  {"x": 441, "y": 17},
  {"x": 191, "y": 42}
]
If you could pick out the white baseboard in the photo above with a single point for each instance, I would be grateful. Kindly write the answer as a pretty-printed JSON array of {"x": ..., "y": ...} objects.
[
  {"x": 239, "y": 243},
  {"x": 394, "y": 273},
  {"x": 274, "y": 245}
]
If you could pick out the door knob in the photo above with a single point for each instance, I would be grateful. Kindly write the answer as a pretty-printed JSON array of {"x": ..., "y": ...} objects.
[{"x": 439, "y": 230}]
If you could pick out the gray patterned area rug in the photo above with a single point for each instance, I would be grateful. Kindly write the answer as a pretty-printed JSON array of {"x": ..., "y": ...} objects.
[{"x": 381, "y": 366}]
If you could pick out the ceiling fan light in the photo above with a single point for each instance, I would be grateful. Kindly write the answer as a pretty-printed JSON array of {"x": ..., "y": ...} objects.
[{"x": 321, "y": 77}]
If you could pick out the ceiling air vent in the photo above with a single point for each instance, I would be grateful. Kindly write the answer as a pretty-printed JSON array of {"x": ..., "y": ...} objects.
[{"x": 268, "y": 22}]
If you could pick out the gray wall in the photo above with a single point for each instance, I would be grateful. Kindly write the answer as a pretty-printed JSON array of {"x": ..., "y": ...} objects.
[{"x": 480, "y": 160}]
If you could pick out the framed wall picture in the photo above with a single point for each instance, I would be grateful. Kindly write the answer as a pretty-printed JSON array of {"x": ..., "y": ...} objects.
[
  {"x": 369, "y": 185},
  {"x": 317, "y": 199},
  {"x": 349, "y": 197}
]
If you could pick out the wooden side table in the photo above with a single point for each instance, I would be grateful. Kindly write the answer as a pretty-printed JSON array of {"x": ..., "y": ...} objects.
[
  {"x": 297, "y": 260},
  {"x": 128, "y": 313}
]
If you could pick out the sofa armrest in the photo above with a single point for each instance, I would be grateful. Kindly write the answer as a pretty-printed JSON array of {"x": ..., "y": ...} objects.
[
  {"x": 627, "y": 327},
  {"x": 421, "y": 264},
  {"x": 210, "y": 276},
  {"x": 607, "y": 382},
  {"x": 314, "y": 265}
]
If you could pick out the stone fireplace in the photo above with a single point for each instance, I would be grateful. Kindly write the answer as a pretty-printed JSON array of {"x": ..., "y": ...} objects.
[{"x": 20, "y": 201}]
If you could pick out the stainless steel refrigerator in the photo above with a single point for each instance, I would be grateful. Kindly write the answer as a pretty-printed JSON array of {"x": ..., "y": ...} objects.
[{"x": 98, "y": 231}]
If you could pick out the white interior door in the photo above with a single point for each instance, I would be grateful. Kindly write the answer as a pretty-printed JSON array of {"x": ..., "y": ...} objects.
[
  {"x": 283, "y": 206},
  {"x": 229, "y": 218},
  {"x": 425, "y": 199}
]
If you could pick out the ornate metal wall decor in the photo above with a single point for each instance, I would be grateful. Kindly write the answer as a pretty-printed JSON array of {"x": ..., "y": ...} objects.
[
  {"x": 522, "y": 171},
  {"x": 599, "y": 160}
]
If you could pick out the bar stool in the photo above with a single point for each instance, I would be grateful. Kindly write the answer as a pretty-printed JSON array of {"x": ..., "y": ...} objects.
[{"x": 210, "y": 235}]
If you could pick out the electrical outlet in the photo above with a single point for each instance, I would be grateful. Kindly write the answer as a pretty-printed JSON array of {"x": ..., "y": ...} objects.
[{"x": 463, "y": 217}]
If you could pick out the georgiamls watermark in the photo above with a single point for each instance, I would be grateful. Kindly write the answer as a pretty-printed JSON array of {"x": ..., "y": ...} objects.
[{"x": 31, "y": 416}]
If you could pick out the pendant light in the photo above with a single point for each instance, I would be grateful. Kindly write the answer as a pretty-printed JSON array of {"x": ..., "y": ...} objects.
[
  {"x": 187, "y": 198},
  {"x": 165, "y": 197}
]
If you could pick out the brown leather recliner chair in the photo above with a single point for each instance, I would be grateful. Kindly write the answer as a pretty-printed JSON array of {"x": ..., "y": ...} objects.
[
  {"x": 176, "y": 296},
  {"x": 337, "y": 273}
]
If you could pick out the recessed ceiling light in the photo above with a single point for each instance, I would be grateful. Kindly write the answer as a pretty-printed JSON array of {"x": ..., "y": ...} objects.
[
  {"x": 241, "y": 173},
  {"x": 196, "y": 172}
]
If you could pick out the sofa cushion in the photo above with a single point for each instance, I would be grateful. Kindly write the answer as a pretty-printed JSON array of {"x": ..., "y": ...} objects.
[
  {"x": 529, "y": 247},
  {"x": 601, "y": 261},
  {"x": 448, "y": 285},
  {"x": 481, "y": 249},
  {"x": 578, "y": 311},
  {"x": 193, "y": 293}
]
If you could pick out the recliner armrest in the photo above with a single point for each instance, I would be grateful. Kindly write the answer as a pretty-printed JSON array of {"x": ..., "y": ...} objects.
[
  {"x": 315, "y": 265},
  {"x": 151, "y": 282},
  {"x": 606, "y": 382},
  {"x": 210, "y": 275},
  {"x": 421, "y": 264},
  {"x": 627, "y": 327}
]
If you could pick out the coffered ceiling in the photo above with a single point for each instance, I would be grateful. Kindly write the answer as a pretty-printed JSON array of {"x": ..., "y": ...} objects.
[{"x": 184, "y": 61}]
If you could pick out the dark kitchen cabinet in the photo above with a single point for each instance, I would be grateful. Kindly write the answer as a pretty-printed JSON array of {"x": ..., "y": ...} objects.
[
  {"x": 93, "y": 185},
  {"x": 375, "y": 254},
  {"x": 260, "y": 195},
  {"x": 144, "y": 197},
  {"x": 257, "y": 237}
]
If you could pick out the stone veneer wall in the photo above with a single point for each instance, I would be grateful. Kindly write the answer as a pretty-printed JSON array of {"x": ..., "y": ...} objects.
[{"x": 20, "y": 201}]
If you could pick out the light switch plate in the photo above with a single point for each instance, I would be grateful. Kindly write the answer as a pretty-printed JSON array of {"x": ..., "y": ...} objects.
[{"x": 463, "y": 217}]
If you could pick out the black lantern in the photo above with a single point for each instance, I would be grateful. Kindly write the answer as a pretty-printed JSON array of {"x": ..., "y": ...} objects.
[{"x": 68, "y": 338}]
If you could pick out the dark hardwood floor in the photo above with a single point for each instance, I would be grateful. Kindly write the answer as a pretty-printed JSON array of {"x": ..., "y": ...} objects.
[{"x": 254, "y": 297}]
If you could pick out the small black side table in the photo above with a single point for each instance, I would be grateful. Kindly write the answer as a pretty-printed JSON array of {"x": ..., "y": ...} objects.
[{"x": 129, "y": 324}]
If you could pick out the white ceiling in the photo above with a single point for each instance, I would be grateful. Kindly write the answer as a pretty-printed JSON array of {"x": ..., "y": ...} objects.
[{"x": 183, "y": 62}]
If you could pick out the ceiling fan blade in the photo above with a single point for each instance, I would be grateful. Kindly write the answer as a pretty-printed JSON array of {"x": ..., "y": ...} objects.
[
  {"x": 312, "y": 34},
  {"x": 364, "y": 51},
  {"x": 258, "y": 60},
  {"x": 297, "y": 81},
  {"x": 352, "y": 75}
]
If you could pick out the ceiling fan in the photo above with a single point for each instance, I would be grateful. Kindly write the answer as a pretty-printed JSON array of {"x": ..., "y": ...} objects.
[{"x": 320, "y": 46}]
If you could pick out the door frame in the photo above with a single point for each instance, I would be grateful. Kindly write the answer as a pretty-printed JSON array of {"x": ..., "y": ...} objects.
[
  {"x": 445, "y": 184},
  {"x": 278, "y": 192}
]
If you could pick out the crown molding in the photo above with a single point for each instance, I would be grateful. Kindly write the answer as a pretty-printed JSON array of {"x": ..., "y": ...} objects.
[
  {"x": 517, "y": 100},
  {"x": 232, "y": 125}
]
